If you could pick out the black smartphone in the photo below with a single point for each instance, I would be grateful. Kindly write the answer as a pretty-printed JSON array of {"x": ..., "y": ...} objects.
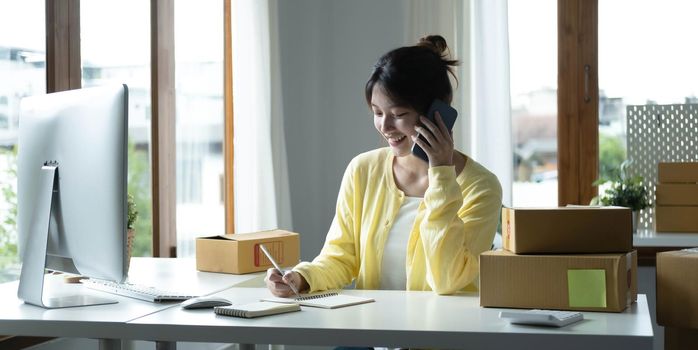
[{"x": 448, "y": 115}]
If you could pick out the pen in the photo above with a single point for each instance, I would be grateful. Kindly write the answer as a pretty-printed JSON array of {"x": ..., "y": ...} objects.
[{"x": 276, "y": 266}]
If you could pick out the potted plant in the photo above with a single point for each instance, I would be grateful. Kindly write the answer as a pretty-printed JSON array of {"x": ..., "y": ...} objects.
[
  {"x": 624, "y": 191},
  {"x": 131, "y": 220}
]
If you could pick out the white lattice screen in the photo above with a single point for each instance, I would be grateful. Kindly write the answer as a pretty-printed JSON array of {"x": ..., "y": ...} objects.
[{"x": 660, "y": 133}]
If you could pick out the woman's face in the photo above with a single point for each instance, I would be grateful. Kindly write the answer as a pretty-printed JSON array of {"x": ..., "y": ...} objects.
[{"x": 395, "y": 123}]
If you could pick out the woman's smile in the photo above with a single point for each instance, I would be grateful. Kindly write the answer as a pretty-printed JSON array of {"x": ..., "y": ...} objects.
[{"x": 395, "y": 140}]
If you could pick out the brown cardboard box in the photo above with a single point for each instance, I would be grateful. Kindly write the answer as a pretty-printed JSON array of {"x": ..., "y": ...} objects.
[
  {"x": 677, "y": 194},
  {"x": 240, "y": 253},
  {"x": 677, "y": 172},
  {"x": 677, "y": 288},
  {"x": 593, "y": 282},
  {"x": 567, "y": 230},
  {"x": 676, "y": 218}
]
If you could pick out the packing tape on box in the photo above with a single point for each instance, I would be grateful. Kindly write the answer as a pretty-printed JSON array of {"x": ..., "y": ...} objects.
[{"x": 586, "y": 288}]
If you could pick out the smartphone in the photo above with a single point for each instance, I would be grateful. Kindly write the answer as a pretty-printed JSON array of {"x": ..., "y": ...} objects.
[{"x": 448, "y": 115}]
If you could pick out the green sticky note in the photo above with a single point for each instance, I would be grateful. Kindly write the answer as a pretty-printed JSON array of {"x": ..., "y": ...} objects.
[{"x": 586, "y": 288}]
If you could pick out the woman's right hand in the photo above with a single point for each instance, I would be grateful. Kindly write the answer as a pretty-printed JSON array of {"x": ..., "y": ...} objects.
[{"x": 280, "y": 285}]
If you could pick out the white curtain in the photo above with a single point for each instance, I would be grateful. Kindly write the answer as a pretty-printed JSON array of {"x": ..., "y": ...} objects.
[
  {"x": 448, "y": 18},
  {"x": 261, "y": 174},
  {"x": 491, "y": 122},
  {"x": 477, "y": 33}
]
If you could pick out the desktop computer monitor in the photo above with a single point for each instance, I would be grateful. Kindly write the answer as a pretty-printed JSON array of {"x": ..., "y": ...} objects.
[{"x": 71, "y": 195}]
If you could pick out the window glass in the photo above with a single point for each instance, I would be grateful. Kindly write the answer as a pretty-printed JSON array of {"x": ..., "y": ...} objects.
[
  {"x": 115, "y": 49},
  {"x": 533, "y": 72},
  {"x": 200, "y": 116},
  {"x": 646, "y": 56},
  {"x": 23, "y": 72}
]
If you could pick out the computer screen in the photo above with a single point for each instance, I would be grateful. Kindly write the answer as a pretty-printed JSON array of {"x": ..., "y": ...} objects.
[{"x": 71, "y": 195}]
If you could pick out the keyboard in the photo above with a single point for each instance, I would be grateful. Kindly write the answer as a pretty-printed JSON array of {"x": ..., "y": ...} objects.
[
  {"x": 146, "y": 293},
  {"x": 552, "y": 318}
]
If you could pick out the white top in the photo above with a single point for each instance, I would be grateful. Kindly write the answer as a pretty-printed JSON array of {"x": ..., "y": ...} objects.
[{"x": 393, "y": 274}]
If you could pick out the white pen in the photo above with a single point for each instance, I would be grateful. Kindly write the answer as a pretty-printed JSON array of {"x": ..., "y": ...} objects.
[{"x": 282, "y": 272}]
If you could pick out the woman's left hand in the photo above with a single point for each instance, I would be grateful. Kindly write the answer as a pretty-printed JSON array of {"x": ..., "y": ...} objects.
[{"x": 439, "y": 145}]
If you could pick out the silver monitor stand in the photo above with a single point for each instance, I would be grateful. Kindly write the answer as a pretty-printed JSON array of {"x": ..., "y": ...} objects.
[{"x": 31, "y": 282}]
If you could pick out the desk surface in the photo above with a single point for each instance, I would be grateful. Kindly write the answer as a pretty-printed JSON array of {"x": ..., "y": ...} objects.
[
  {"x": 17, "y": 318},
  {"x": 180, "y": 274},
  {"x": 650, "y": 238},
  {"x": 397, "y": 318}
]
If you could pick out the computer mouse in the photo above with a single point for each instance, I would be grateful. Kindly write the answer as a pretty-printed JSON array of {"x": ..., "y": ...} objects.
[{"x": 205, "y": 302}]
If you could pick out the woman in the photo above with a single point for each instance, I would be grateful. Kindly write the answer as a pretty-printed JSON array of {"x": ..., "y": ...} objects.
[{"x": 401, "y": 222}]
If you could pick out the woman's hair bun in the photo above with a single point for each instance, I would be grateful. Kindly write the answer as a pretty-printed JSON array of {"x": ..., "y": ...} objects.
[{"x": 436, "y": 43}]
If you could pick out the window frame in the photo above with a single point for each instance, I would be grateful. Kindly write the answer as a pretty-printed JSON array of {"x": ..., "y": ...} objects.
[
  {"x": 228, "y": 125},
  {"x": 163, "y": 128},
  {"x": 62, "y": 45},
  {"x": 578, "y": 101}
]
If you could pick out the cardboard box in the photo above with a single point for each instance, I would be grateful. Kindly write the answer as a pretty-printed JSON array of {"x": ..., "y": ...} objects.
[
  {"x": 676, "y": 218},
  {"x": 240, "y": 253},
  {"x": 677, "y": 288},
  {"x": 567, "y": 230},
  {"x": 677, "y": 172},
  {"x": 592, "y": 282},
  {"x": 677, "y": 194}
]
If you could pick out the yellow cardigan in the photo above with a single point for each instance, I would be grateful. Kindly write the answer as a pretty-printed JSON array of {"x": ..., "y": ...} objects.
[{"x": 455, "y": 222}]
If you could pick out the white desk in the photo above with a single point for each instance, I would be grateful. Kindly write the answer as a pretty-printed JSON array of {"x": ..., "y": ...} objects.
[
  {"x": 650, "y": 238},
  {"x": 397, "y": 318},
  {"x": 411, "y": 319},
  {"x": 107, "y": 321}
]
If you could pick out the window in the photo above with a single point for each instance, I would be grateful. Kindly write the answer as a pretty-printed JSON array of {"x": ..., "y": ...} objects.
[
  {"x": 23, "y": 72},
  {"x": 199, "y": 125},
  {"x": 116, "y": 51},
  {"x": 533, "y": 72},
  {"x": 642, "y": 64}
]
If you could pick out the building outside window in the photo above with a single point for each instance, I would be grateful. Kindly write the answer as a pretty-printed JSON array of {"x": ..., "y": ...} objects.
[
  {"x": 642, "y": 64},
  {"x": 533, "y": 74},
  {"x": 23, "y": 73},
  {"x": 199, "y": 125}
]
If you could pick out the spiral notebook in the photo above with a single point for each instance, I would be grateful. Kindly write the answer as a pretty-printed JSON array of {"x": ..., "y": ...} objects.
[
  {"x": 326, "y": 300},
  {"x": 255, "y": 309}
]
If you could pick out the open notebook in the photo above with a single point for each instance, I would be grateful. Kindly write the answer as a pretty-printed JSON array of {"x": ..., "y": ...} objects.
[
  {"x": 327, "y": 300},
  {"x": 255, "y": 309}
]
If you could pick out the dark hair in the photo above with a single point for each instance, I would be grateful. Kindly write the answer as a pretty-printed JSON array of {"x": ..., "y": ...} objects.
[{"x": 415, "y": 75}]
